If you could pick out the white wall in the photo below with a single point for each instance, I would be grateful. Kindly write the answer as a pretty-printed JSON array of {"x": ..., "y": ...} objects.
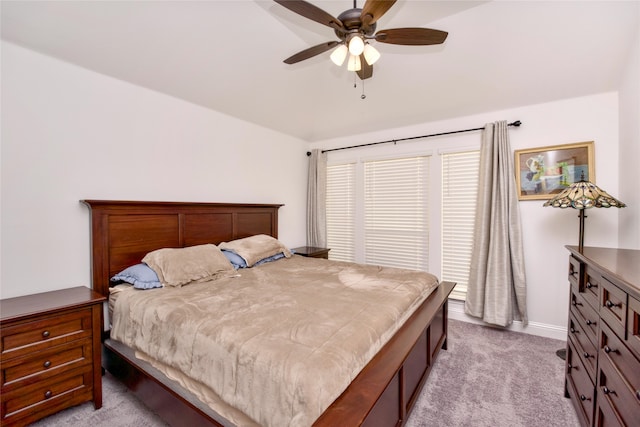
[
  {"x": 629, "y": 230},
  {"x": 71, "y": 134},
  {"x": 545, "y": 230}
]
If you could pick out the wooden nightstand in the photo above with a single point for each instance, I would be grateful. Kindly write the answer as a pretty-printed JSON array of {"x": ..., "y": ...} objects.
[
  {"x": 51, "y": 353},
  {"x": 312, "y": 252}
]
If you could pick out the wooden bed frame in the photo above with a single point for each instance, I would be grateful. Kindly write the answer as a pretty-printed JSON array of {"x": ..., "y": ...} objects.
[{"x": 122, "y": 232}]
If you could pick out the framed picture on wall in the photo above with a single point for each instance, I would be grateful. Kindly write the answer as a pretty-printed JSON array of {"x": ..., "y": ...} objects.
[{"x": 544, "y": 172}]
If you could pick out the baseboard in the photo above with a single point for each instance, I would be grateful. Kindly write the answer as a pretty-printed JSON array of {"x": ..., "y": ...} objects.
[{"x": 456, "y": 312}]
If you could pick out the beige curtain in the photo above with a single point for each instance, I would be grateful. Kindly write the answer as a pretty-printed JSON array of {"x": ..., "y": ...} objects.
[
  {"x": 317, "y": 200},
  {"x": 497, "y": 287}
]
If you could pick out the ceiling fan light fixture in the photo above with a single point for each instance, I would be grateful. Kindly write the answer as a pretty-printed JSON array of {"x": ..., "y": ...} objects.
[
  {"x": 354, "y": 63},
  {"x": 339, "y": 54},
  {"x": 356, "y": 45},
  {"x": 371, "y": 54}
]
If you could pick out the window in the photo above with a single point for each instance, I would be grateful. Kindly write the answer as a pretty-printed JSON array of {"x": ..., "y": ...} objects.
[
  {"x": 341, "y": 211},
  {"x": 459, "y": 190},
  {"x": 396, "y": 226},
  {"x": 405, "y": 210}
]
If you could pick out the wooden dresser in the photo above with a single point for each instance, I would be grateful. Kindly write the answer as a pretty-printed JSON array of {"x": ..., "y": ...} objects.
[
  {"x": 50, "y": 353},
  {"x": 603, "y": 346}
]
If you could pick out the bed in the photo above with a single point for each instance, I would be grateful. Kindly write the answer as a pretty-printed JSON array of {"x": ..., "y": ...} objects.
[{"x": 123, "y": 232}]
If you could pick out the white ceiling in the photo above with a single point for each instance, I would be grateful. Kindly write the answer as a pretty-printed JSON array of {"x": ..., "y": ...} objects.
[{"x": 227, "y": 56}]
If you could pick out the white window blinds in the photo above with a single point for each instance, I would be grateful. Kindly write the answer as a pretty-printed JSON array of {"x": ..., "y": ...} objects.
[
  {"x": 341, "y": 211},
  {"x": 459, "y": 190},
  {"x": 396, "y": 225}
]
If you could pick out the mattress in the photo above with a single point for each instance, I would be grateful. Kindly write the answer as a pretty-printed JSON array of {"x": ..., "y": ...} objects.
[{"x": 276, "y": 345}]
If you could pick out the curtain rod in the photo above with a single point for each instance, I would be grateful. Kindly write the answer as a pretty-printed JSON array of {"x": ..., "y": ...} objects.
[{"x": 517, "y": 123}]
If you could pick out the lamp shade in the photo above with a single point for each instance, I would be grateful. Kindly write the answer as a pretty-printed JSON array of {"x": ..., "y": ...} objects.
[
  {"x": 354, "y": 63},
  {"x": 584, "y": 195},
  {"x": 371, "y": 54},
  {"x": 339, "y": 54},
  {"x": 356, "y": 45}
]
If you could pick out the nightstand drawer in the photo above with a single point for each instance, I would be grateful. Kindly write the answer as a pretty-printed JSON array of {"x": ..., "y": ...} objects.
[
  {"x": 67, "y": 390},
  {"x": 21, "y": 371},
  {"x": 28, "y": 337}
]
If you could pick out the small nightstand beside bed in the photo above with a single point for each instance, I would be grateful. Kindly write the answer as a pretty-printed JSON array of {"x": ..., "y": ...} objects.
[{"x": 294, "y": 341}]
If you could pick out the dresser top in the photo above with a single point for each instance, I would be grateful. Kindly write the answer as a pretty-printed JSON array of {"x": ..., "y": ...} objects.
[
  {"x": 28, "y": 305},
  {"x": 621, "y": 264}
]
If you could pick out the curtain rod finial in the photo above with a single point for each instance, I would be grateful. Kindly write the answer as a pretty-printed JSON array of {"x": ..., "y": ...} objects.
[
  {"x": 308, "y": 153},
  {"x": 517, "y": 123}
]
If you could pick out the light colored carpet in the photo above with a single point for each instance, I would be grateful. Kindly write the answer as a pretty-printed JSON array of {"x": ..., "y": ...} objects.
[{"x": 487, "y": 378}]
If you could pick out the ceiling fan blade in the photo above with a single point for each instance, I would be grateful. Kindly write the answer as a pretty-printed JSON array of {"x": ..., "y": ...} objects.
[
  {"x": 312, "y": 51},
  {"x": 366, "y": 70},
  {"x": 311, "y": 12},
  {"x": 373, "y": 10},
  {"x": 411, "y": 36}
]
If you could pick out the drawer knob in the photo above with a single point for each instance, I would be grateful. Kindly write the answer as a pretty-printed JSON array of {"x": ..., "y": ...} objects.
[
  {"x": 576, "y": 303},
  {"x": 608, "y": 349},
  {"x": 589, "y": 322},
  {"x": 573, "y": 330},
  {"x": 48, "y": 394},
  {"x": 610, "y": 304},
  {"x": 591, "y": 285},
  {"x": 605, "y": 390},
  {"x": 586, "y": 355},
  {"x": 46, "y": 334},
  {"x": 47, "y": 364},
  {"x": 583, "y": 397}
]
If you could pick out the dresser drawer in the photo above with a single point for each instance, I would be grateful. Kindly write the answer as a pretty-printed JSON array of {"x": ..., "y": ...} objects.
[
  {"x": 606, "y": 416},
  {"x": 591, "y": 289},
  {"x": 47, "y": 396},
  {"x": 620, "y": 358},
  {"x": 613, "y": 307},
  {"x": 613, "y": 388},
  {"x": 45, "y": 332},
  {"x": 633, "y": 326},
  {"x": 576, "y": 273},
  {"x": 580, "y": 385},
  {"x": 586, "y": 351},
  {"x": 586, "y": 316},
  {"x": 21, "y": 371}
]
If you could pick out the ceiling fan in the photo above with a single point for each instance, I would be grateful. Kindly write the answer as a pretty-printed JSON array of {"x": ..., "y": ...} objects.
[{"x": 355, "y": 27}]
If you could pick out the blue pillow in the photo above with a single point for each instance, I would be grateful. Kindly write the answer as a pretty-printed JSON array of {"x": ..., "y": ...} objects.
[
  {"x": 236, "y": 260},
  {"x": 141, "y": 276},
  {"x": 271, "y": 258}
]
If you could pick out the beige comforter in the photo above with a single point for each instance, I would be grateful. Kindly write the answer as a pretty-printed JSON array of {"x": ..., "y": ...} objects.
[{"x": 282, "y": 341}]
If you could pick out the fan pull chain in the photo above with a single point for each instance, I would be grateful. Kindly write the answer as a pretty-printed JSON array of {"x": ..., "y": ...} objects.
[{"x": 363, "y": 96}]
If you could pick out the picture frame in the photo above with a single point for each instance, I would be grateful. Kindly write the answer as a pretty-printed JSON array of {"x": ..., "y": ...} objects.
[{"x": 543, "y": 172}]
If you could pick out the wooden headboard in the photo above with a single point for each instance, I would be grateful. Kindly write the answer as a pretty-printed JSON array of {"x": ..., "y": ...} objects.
[{"x": 123, "y": 232}]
